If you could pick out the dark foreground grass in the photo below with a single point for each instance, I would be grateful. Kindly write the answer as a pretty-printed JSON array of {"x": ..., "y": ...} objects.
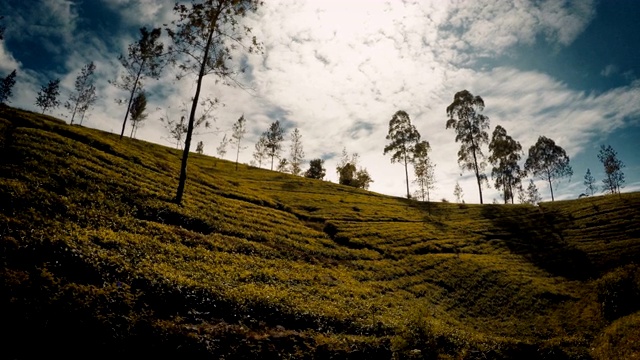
[{"x": 98, "y": 262}]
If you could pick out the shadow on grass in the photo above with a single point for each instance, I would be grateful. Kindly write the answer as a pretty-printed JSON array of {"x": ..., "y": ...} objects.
[{"x": 537, "y": 235}]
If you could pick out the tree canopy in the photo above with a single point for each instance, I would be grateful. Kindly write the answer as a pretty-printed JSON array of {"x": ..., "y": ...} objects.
[
  {"x": 403, "y": 137},
  {"x": 48, "y": 96},
  {"x": 614, "y": 177},
  {"x": 548, "y": 161},
  {"x": 505, "y": 154},
  {"x": 316, "y": 169}
]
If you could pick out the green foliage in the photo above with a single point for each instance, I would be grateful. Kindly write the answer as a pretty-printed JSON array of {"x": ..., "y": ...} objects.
[
  {"x": 614, "y": 179},
  {"x": 6, "y": 87},
  {"x": 505, "y": 154},
  {"x": 589, "y": 182},
  {"x": 296, "y": 155},
  {"x": 423, "y": 170},
  {"x": 138, "y": 107},
  {"x": 273, "y": 141},
  {"x": 548, "y": 161},
  {"x": 316, "y": 169},
  {"x": 48, "y": 96},
  {"x": 96, "y": 258},
  {"x": 85, "y": 93},
  {"x": 239, "y": 129}
]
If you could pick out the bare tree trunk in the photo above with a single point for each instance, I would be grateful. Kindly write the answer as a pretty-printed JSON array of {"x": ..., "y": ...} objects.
[
  {"x": 133, "y": 91},
  {"x": 192, "y": 116}
]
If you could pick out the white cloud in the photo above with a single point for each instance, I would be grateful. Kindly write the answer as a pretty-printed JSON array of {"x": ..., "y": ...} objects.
[{"x": 338, "y": 70}]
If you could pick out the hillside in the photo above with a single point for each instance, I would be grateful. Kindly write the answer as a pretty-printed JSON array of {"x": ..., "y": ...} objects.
[{"x": 258, "y": 264}]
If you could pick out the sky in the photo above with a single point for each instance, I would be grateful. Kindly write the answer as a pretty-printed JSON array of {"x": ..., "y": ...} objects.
[{"x": 339, "y": 70}]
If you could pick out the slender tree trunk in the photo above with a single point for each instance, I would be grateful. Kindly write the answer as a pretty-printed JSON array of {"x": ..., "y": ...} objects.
[
  {"x": 406, "y": 174},
  {"x": 272, "y": 156},
  {"x": 133, "y": 92},
  {"x": 192, "y": 116},
  {"x": 237, "y": 154},
  {"x": 475, "y": 164},
  {"x": 73, "y": 115},
  {"x": 550, "y": 185}
]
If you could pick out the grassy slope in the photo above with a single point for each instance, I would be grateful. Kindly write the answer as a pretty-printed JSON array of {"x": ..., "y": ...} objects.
[{"x": 263, "y": 264}]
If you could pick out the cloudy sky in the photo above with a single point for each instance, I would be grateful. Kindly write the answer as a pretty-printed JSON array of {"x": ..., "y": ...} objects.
[{"x": 339, "y": 70}]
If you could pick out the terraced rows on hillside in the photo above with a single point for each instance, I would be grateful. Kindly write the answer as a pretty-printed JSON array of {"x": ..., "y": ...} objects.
[{"x": 256, "y": 258}]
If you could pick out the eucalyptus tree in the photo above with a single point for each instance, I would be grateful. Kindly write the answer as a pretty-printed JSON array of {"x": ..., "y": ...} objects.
[
  {"x": 274, "y": 138},
  {"x": 222, "y": 148},
  {"x": 458, "y": 193},
  {"x": 548, "y": 161},
  {"x": 144, "y": 59},
  {"x": 403, "y": 137},
  {"x": 296, "y": 154},
  {"x": 85, "y": 92},
  {"x": 209, "y": 34},
  {"x": 48, "y": 96},
  {"x": 614, "y": 179},
  {"x": 260, "y": 150},
  {"x": 470, "y": 126},
  {"x": 239, "y": 129},
  {"x": 423, "y": 170},
  {"x": 6, "y": 86},
  {"x": 505, "y": 154},
  {"x": 137, "y": 110},
  {"x": 589, "y": 182}
]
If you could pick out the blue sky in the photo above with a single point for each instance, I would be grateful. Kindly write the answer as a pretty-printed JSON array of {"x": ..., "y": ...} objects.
[{"x": 339, "y": 70}]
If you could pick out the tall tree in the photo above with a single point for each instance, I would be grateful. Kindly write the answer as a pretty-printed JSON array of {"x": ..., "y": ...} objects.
[
  {"x": 138, "y": 107},
  {"x": 316, "y": 169},
  {"x": 48, "y": 96},
  {"x": 505, "y": 154},
  {"x": 85, "y": 92},
  {"x": 6, "y": 85},
  {"x": 296, "y": 154},
  {"x": 239, "y": 129},
  {"x": 222, "y": 148},
  {"x": 144, "y": 59},
  {"x": 614, "y": 179},
  {"x": 260, "y": 152},
  {"x": 590, "y": 183},
  {"x": 208, "y": 33},
  {"x": 404, "y": 137},
  {"x": 200, "y": 147},
  {"x": 548, "y": 161},
  {"x": 274, "y": 137},
  {"x": 458, "y": 193},
  {"x": 470, "y": 126},
  {"x": 423, "y": 170}
]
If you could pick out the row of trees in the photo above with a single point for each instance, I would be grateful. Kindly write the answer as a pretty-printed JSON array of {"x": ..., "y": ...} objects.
[
  {"x": 205, "y": 37},
  {"x": 546, "y": 160}
]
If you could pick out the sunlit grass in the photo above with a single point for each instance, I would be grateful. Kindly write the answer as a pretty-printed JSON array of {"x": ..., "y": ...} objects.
[{"x": 255, "y": 254}]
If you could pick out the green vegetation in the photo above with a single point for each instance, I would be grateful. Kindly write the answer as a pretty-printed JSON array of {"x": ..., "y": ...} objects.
[{"x": 98, "y": 259}]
